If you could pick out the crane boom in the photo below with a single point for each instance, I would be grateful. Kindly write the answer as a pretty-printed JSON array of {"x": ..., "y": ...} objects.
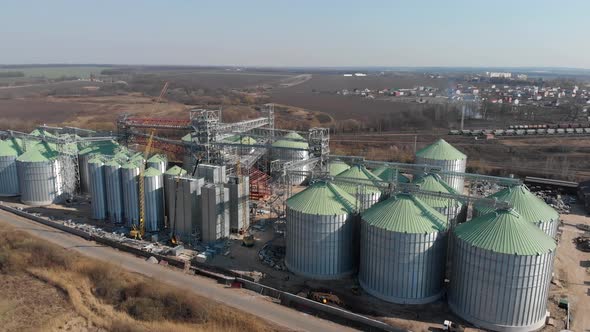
[{"x": 139, "y": 231}]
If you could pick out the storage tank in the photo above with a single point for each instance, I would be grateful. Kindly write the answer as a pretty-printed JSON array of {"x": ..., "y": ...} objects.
[
  {"x": 169, "y": 189},
  {"x": 365, "y": 192},
  {"x": 388, "y": 174},
  {"x": 185, "y": 208},
  {"x": 154, "y": 200},
  {"x": 444, "y": 155},
  {"x": 97, "y": 186},
  {"x": 106, "y": 148},
  {"x": 528, "y": 205},
  {"x": 292, "y": 147},
  {"x": 320, "y": 237},
  {"x": 38, "y": 174},
  {"x": 130, "y": 183},
  {"x": 114, "y": 191},
  {"x": 336, "y": 167},
  {"x": 454, "y": 209},
  {"x": 502, "y": 266},
  {"x": 214, "y": 212},
  {"x": 159, "y": 162},
  {"x": 10, "y": 149},
  {"x": 403, "y": 251},
  {"x": 239, "y": 196}
]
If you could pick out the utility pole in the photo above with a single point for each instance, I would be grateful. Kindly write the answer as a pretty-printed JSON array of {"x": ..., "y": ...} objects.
[{"x": 462, "y": 116}]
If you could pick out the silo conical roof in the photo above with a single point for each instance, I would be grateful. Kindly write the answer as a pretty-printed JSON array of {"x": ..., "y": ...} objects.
[
  {"x": 441, "y": 150},
  {"x": 336, "y": 167},
  {"x": 41, "y": 132},
  {"x": 361, "y": 173},
  {"x": 405, "y": 213},
  {"x": 527, "y": 204},
  {"x": 38, "y": 153},
  {"x": 157, "y": 158},
  {"x": 433, "y": 183},
  {"x": 186, "y": 138},
  {"x": 14, "y": 144},
  {"x": 507, "y": 232},
  {"x": 6, "y": 150},
  {"x": 96, "y": 159},
  {"x": 130, "y": 164},
  {"x": 297, "y": 141},
  {"x": 105, "y": 148},
  {"x": 175, "y": 170},
  {"x": 112, "y": 162},
  {"x": 386, "y": 173},
  {"x": 151, "y": 172},
  {"x": 322, "y": 198}
]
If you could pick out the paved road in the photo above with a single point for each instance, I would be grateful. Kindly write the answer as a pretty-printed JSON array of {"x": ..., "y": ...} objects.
[{"x": 241, "y": 299}]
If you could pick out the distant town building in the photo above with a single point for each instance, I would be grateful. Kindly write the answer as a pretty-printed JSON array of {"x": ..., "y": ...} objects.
[{"x": 498, "y": 75}]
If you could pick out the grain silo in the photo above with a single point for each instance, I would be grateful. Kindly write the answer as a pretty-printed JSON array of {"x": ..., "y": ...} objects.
[
  {"x": 114, "y": 191},
  {"x": 38, "y": 174},
  {"x": 292, "y": 147},
  {"x": 452, "y": 208},
  {"x": 185, "y": 207},
  {"x": 320, "y": 236},
  {"x": 448, "y": 158},
  {"x": 403, "y": 250},
  {"x": 214, "y": 212},
  {"x": 239, "y": 211},
  {"x": 154, "y": 200},
  {"x": 106, "y": 148},
  {"x": 528, "y": 205},
  {"x": 97, "y": 186},
  {"x": 9, "y": 151},
  {"x": 389, "y": 174},
  {"x": 336, "y": 167},
  {"x": 159, "y": 162},
  {"x": 130, "y": 183},
  {"x": 170, "y": 187},
  {"x": 365, "y": 192},
  {"x": 502, "y": 266}
]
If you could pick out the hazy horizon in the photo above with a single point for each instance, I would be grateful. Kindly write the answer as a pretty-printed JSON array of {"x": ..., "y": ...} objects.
[{"x": 306, "y": 34}]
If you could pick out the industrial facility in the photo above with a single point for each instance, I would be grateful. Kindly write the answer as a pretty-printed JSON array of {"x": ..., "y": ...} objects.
[{"x": 403, "y": 230}]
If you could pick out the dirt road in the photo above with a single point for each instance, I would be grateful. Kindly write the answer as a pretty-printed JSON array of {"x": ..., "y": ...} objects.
[{"x": 244, "y": 300}]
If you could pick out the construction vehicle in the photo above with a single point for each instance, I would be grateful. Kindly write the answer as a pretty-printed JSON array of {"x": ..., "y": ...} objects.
[
  {"x": 248, "y": 240},
  {"x": 138, "y": 231},
  {"x": 325, "y": 298},
  {"x": 452, "y": 327}
]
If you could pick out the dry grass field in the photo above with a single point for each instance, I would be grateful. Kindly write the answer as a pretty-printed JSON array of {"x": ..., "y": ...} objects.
[{"x": 47, "y": 288}]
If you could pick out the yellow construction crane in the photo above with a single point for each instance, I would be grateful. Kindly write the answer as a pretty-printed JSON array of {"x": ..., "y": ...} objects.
[{"x": 138, "y": 231}]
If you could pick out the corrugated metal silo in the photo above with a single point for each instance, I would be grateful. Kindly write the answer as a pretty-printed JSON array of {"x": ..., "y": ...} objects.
[
  {"x": 388, "y": 174},
  {"x": 159, "y": 162},
  {"x": 239, "y": 211},
  {"x": 502, "y": 267},
  {"x": 107, "y": 148},
  {"x": 130, "y": 183},
  {"x": 169, "y": 188},
  {"x": 98, "y": 198},
  {"x": 154, "y": 200},
  {"x": 292, "y": 147},
  {"x": 336, "y": 167},
  {"x": 9, "y": 151},
  {"x": 403, "y": 249},
  {"x": 365, "y": 193},
  {"x": 38, "y": 175},
  {"x": 215, "y": 212},
  {"x": 320, "y": 237},
  {"x": 114, "y": 191},
  {"x": 444, "y": 155},
  {"x": 185, "y": 210},
  {"x": 454, "y": 209},
  {"x": 528, "y": 205}
]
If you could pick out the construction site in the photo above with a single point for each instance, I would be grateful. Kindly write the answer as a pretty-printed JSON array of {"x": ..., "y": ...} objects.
[{"x": 397, "y": 246}]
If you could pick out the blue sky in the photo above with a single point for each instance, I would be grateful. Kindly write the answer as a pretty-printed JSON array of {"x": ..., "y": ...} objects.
[{"x": 297, "y": 33}]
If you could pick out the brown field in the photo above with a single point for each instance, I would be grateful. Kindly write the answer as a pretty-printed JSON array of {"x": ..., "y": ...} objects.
[{"x": 46, "y": 288}]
